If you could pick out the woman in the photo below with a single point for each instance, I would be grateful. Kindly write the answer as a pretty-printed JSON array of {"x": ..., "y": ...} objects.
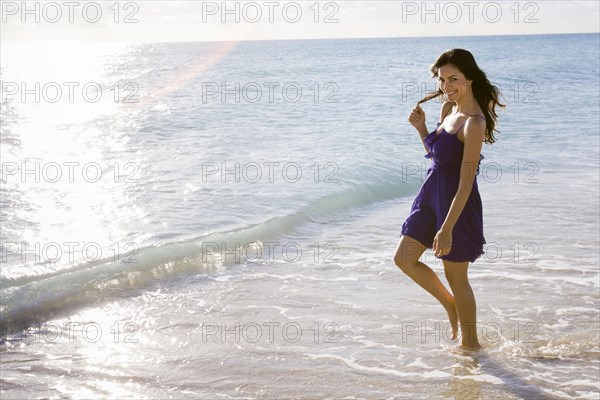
[{"x": 447, "y": 212}]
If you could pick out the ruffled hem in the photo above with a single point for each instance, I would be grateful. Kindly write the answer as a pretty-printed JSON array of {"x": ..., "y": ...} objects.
[{"x": 472, "y": 257}]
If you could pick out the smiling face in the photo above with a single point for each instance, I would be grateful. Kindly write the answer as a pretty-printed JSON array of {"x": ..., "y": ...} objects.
[{"x": 453, "y": 83}]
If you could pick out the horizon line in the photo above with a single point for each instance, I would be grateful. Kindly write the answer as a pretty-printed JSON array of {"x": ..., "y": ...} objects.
[{"x": 298, "y": 39}]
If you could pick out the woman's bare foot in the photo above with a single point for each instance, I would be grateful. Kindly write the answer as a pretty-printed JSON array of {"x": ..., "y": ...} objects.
[
  {"x": 453, "y": 317},
  {"x": 471, "y": 346}
]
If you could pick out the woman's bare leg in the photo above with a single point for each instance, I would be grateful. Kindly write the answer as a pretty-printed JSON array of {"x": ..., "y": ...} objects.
[
  {"x": 406, "y": 258},
  {"x": 456, "y": 273}
]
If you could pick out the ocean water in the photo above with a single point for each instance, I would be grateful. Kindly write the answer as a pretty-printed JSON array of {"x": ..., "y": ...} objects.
[{"x": 218, "y": 220}]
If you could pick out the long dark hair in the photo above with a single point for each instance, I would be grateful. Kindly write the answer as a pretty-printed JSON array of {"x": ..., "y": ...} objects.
[{"x": 484, "y": 92}]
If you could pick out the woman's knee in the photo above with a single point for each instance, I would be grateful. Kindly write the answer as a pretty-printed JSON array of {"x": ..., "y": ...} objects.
[
  {"x": 456, "y": 274},
  {"x": 408, "y": 252},
  {"x": 401, "y": 260}
]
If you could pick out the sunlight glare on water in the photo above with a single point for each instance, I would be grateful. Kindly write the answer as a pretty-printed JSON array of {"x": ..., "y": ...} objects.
[{"x": 58, "y": 158}]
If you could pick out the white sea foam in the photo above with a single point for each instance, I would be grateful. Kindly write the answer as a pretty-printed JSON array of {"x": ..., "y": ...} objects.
[{"x": 538, "y": 302}]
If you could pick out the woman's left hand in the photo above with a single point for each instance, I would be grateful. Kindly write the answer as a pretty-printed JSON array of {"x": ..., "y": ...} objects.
[{"x": 442, "y": 243}]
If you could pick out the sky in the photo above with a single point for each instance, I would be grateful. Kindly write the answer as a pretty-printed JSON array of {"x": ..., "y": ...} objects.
[{"x": 192, "y": 21}]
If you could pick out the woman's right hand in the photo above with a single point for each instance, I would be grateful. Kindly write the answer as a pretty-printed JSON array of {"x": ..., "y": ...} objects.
[{"x": 417, "y": 117}]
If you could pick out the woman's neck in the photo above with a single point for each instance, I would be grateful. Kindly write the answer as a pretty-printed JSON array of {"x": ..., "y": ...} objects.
[{"x": 468, "y": 106}]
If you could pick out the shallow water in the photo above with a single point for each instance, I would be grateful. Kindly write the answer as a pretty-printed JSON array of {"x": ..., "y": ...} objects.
[{"x": 312, "y": 306}]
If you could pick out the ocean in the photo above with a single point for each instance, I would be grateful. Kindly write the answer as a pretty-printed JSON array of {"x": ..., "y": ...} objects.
[{"x": 218, "y": 220}]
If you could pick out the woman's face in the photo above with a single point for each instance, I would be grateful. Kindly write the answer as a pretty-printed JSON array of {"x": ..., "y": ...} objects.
[{"x": 452, "y": 82}]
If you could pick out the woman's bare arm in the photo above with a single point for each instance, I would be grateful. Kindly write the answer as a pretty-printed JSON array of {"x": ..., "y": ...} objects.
[{"x": 423, "y": 130}]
